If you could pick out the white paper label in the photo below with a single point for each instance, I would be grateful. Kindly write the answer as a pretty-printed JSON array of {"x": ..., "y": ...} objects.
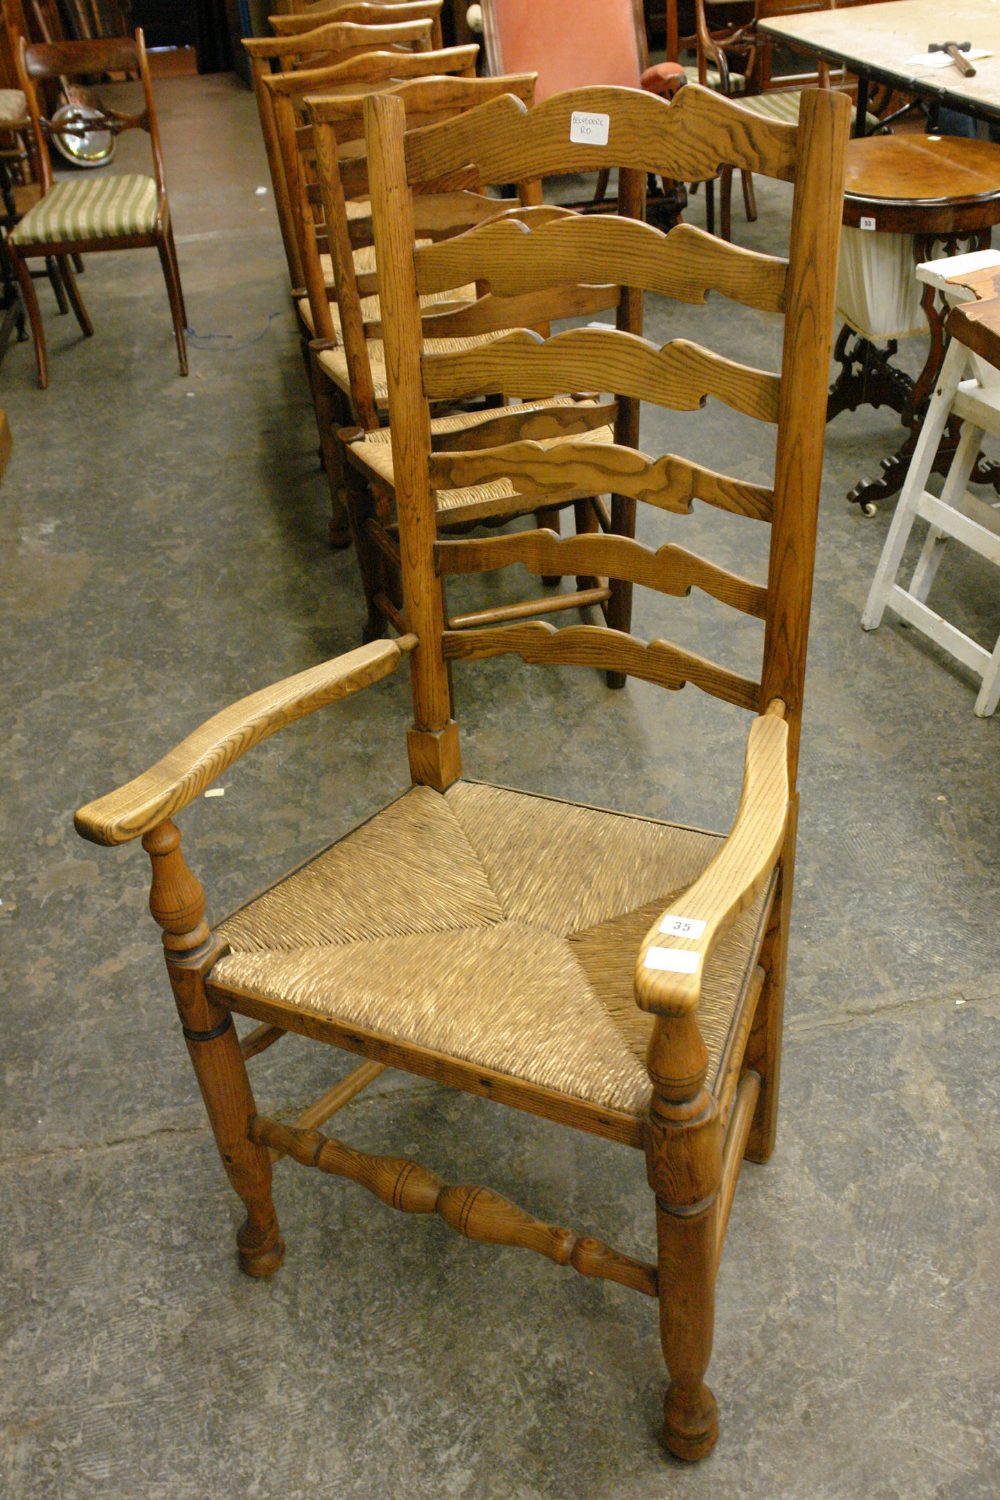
[
  {"x": 867, "y": 223},
  {"x": 588, "y": 130},
  {"x": 675, "y": 959},
  {"x": 689, "y": 927}
]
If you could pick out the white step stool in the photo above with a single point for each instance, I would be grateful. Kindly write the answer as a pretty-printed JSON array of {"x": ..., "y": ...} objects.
[{"x": 969, "y": 387}]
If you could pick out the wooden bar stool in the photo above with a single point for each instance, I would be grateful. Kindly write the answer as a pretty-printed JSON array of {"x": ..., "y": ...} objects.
[
  {"x": 907, "y": 199},
  {"x": 968, "y": 389}
]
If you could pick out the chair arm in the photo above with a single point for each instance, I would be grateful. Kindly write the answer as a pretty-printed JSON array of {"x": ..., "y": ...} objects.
[
  {"x": 194, "y": 764},
  {"x": 676, "y": 948}
]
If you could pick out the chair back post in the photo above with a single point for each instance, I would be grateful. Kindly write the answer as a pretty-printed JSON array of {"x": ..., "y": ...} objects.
[
  {"x": 27, "y": 83},
  {"x": 259, "y": 69},
  {"x": 302, "y": 219},
  {"x": 342, "y": 254},
  {"x": 433, "y": 742},
  {"x": 152, "y": 124},
  {"x": 812, "y": 278}
]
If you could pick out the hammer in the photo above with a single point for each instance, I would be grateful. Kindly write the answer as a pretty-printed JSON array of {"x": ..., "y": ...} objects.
[{"x": 954, "y": 51}]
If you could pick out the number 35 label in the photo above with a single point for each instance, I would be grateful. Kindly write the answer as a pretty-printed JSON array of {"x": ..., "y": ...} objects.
[
  {"x": 683, "y": 927},
  {"x": 588, "y": 130}
]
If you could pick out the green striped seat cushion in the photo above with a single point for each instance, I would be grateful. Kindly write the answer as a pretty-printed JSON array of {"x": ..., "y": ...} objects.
[
  {"x": 90, "y": 209},
  {"x": 784, "y": 105},
  {"x": 737, "y": 82}
]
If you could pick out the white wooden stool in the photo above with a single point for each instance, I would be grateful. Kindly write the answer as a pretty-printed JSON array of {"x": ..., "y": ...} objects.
[{"x": 968, "y": 387}]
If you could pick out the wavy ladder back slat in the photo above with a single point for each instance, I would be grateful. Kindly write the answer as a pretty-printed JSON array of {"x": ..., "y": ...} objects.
[
  {"x": 340, "y": 40},
  {"x": 687, "y": 145},
  {"x": 361, "y": 13},
  {"x": 680, "y": 375},
  {"x": 669, "y": 483},
  {"x": 515, "y": 261},
  {"x": 669, "y": 570},
  {"x": 685, "y": 263}
]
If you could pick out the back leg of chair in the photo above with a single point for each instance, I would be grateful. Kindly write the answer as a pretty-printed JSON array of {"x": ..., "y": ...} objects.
[
  {"x": 73, "y": 293},
  {"x": 619, "y": 609},
  {"x": 173, "y": 281},
  {"x": 332, "y": 413},
  {"x": 30, "y": 299},
  {"x": 172, "y": 247},
  {"x": 749, "y": 197},
  {"x": 56, "y": 282},
  {"x": 726, "y": 208}
]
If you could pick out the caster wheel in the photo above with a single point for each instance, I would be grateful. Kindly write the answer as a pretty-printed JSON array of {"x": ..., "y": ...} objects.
[{"x": 869, "y": 508}]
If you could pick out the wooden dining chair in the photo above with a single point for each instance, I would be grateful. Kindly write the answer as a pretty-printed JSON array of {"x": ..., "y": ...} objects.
[
  {"x": 752, "y": 84},
  {"x": 297, "y": 198},
  {"x": 605, "y": 44},
  {"x": 362, "y": 13},
  {"x": 603, "y": 970},
  {"x": 278, "y": 56},
  {"x": 104, "y": 211},
  {"x": 456, "y": 316}
]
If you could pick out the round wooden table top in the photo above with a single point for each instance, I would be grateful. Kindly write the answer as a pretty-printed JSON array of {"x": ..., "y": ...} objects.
[{"x": 922, "y": 184}]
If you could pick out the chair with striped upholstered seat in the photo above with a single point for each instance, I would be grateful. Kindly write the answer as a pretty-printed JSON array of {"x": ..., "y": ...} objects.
[
  {"x": 603, "y": 970},
  {"x": 752, "y": 87},
  {"x": 99, "y": 211}
]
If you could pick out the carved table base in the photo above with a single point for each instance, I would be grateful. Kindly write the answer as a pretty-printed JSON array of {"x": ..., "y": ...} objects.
[{"x": 869, "y": 378}]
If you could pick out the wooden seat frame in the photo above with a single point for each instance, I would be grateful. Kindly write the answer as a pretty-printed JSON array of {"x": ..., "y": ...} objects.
[
  {"x": 42, "y": 61},
  {"x": 694, "y": 1138}
]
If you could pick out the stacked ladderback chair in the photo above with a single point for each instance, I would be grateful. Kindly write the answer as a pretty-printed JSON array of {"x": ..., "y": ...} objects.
[
  {"x": 455, "y": 317},
  {"x": 601, "y": 969}
]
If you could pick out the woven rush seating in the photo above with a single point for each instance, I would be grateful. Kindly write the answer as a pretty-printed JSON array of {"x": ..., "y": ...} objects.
[
  {"x": 480, "y": 886},
  {"x": 373, "y": 453}
]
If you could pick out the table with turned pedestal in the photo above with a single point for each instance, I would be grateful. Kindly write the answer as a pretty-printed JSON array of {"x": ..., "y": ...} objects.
[{"x": 907, "y": 198}]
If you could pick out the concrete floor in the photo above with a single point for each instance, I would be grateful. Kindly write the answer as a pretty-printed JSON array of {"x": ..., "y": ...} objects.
[{"x": 164, "y": 554}]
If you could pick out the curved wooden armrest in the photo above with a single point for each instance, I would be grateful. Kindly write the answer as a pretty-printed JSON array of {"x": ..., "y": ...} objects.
[
  {"x": 676, "y": 948},
  {"x": 194, "y": 764}
]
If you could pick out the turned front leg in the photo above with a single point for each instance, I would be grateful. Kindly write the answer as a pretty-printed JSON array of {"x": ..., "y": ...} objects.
[
  {"x": 684, "y": 1164},
  {"x": 177, "y": 902}
]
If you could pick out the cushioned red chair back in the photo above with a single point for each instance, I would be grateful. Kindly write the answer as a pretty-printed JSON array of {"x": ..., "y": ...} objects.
[{"x": 588, "y": 42}]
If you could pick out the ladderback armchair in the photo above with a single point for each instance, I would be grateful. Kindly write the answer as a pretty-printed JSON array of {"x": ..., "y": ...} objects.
[
  {"x": 603, "y": 970},
  {"x": 331, "y": 45},
  {"x": 102, "y": 211}
]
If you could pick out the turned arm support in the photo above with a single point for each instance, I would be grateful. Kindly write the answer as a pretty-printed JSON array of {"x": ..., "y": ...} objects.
[
  {"x": 676, "y": 948},
  {"x": 184, "y": 772}
]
